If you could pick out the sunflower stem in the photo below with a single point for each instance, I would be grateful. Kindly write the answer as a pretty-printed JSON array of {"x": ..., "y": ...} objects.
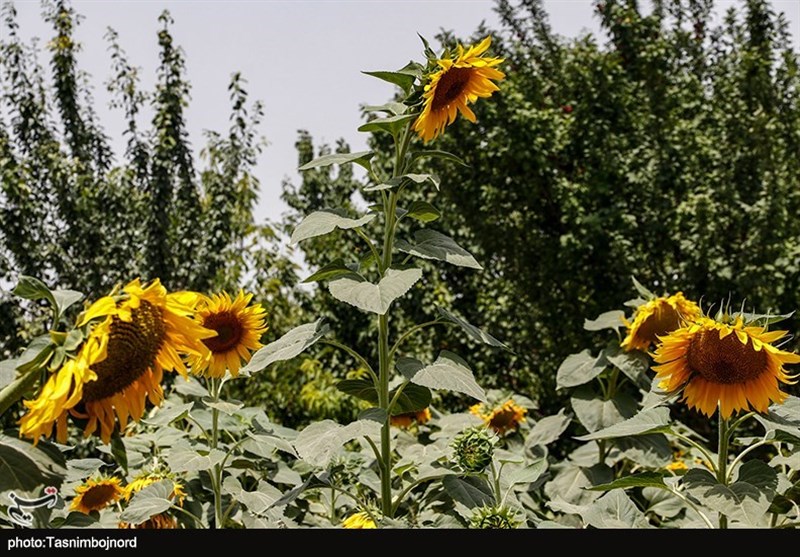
[
  {"x": 216, "y": 482},
  {"x": 722, "y": 461}
]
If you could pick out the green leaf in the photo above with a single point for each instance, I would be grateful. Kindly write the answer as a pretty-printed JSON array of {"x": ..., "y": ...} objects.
[
  {"x": 119, "y": 452},
  {"x": 644, "y": 292},
  {"x": 265, "y": 445},
  {"x": 548, "y": 429},
  {"x": 287, "y": 347},
  {"x": 403, "y": 80},
  {"x": 646, "y": 421},
  {"x": 363, "y": 389},
  {"x": 578, "y": 369},
  {"x": 652, "y": 450},
  {"x": 449, "y": 372},
  {"x": 326, "y": 221},
  {"x": 229, "y": 407},
  {"x": 262, "y": 499},
  {"x": 165, "y": 415},
  {"x": 472, "y": 331},
  {"x": 64, "y": 299},
  {"x": 8, "y": 372},
  {"x": 32, "y": 288},
  {"x": 433, "y": 153},
  {"x": 331, "y": 271},
  {"x": 430, "y": 244},
  {"x": 423, "y": 212},
  {"x": 614, "y": 510},
  {"x": 527, "y": 474},
  {"x": 73, "y": 340},
  {"x": 374, "y": 298},
  {"x": 318, "y": 443},
  {"x": 571, "y": 482},
  {"x": 634, "y": 365},
  {"x": 642, "y": 479},
  {"x": 745, "y": 500},
  {"x": 36, "y": 354},
  {"x": 607, "y": 320},
  {"x": 472, "y": 491},
  {"x": 374, "y": 414},
  {"x": 408, "y": 367},
  {"x": 190, "y": 460},
  {"x": 391, "y": 124},
  {"x": 190, "y": 387},
  {"x": 595, "y": 414},
  {"x": 80, "y": 468},
  {"x": 28, "y": 468},
  {"x": 74, "y": 519},
  {"x": 390, "y": 108},
  {"x": 413, "y": 399},
  {"x": 361, "y": 158},
  {"x": 149, "y": 502}
]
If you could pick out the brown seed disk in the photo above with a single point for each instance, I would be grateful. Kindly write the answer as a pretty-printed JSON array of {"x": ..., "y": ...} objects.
[
  {"x": 229, "y": 331},
  {"x": 450, "y": 86},
  {"x": 725, "y": 361}
]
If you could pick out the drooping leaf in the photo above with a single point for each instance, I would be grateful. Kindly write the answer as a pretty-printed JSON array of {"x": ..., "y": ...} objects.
[
  {"x": 641, "y": 479},
  {"x": 430, "y": 244},
  {"x": 374, "y": 298},
  {"x": 165, "y": 415},
  {"x": 287, "y": 347},
  {"x": 634, "y": 365},
  {"x": 326, "y": 221},
  {"x": 149, "y": 502},
  {"x": 331, "y": 271},
  {"x": 433, "y": 153},
  {"x": 390, "y": 124},
  {"x": 28, "y": 468},
  {"x": 646, "y": 421},
  {"x": 403, "y": 80},
  {"x": 607, "y": 320},
  {"x": 472, "y": 331},
  {"x": 361, "y": 158}
]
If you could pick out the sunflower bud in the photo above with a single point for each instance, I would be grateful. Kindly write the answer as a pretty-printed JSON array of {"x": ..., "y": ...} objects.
[
  {"x": 474, "y": 449},
  {"x": 494, "y": 518}
]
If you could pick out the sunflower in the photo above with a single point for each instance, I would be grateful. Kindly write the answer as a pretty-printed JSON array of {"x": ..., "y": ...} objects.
[
  {"x": 408, "y": 418},
  {"x": 730, "y": 366},
  {"x": 656, "y": 318},
  {"x": 459, "y": 81},
  {"x": 144, "y": 331},
  {"x": 359, "y": 521},
  {"x": 95, "y": 495},
  {"x": 239, "y": 327},
  {"x": 162, "y": 521},
  {"x": 502, "y": 419}
]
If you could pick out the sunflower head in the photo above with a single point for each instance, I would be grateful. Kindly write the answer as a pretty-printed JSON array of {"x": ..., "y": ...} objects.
[
  {"x": 473, "y": 449},
  {"x": 239, "y": 326},
  {"x": 502, "y": 419},
  {"x": 727, "y": 365},
  {"x": 408, "y": 419},
  {"x": 96, "y": 494},
  {"x": 457, "y": 81},
  {"x": 494, "y": 518},
  {"x": 359, "y": 521},
  {"x": 658, "y": 317},
  {"x": 132, "y": 337}
]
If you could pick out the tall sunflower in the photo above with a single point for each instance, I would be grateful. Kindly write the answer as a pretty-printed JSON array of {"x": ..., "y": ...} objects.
[
  {"x": 239, "y": 327},
  {"x": 658, "y": 317},
  {"x": 96, "y": 494},
  {"x": 457, "y": 83},
  {"x": 730, "y": 366},
  {"x": 143, "y": 332}
]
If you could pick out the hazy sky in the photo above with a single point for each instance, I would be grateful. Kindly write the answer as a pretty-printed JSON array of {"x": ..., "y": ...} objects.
[{"x": 301, "y": 58}]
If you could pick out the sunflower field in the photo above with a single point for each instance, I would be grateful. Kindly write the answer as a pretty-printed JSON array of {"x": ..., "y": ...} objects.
[{"x": 559, "y": 292}]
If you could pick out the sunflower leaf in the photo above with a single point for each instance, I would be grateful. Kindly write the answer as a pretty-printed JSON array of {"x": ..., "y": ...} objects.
[
  {"x": 64, "y": 299},
  {"x": 647, "y": 421},
  {"x": 361, "y": 158},
  {"x": 548, "y": 429},
  {"x": 434, "y": 153},
  {"x": 189, "y": 460},
  {"x": 642, "y": 479},
  {"x": 326, "y": 221},
  {"x": 472, "y": 491},
  {"x": 333, "y": 270},
  {"x": 27, "y": 467},
  {"x": 287, "y": 347},
  {"x": 319, "y": 442},
  {"x": 449, "y": 372},
  {"x": 374, "y": 298},
  {"x": 165, "y": 415},
  {"x": 392, "y": 108},
  {"x": 634, "y": 365},
  {"x": 403, "y": 80},
  {"x": 149, "y": 502},
  {"x": 472, "y": 331},
  {"x": 579, "y": 368},
  {"x": 644, "y": 292},
  {"x": 608, "y": 320},
  {"x": 391, "y": 124},
  {"x": 423, "y": 212},
  {"x": 430, "y": 244},
  {"x": 614, "y": 510}
]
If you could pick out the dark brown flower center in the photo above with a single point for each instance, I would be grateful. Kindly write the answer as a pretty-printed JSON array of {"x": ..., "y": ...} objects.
[
  {"x": 663, "y": 320},
  {"x": 98, "y": 496},
  {"x": 725, "y": 361},
  {"x": 450, "y": 86},
  {"x": 132, "y": 350},
  {"x": 504, "y": 419},
  {"x": 229, "y": 331}
]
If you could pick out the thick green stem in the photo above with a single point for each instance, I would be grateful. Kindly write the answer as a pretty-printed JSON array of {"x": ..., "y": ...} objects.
[
  {"x": 16, "y": 389},
  {"x": 722, "y": 461},
  {"x": 216, "y": 481},
  {"x": 383, "y": 400}
]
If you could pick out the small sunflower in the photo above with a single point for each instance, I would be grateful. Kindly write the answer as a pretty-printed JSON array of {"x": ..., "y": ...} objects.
[
  {"x": 494, "y": 518},
  {"x": 239, "y": 327},
  {"x": 359, "y": 521},
  {"x": 144, "y": 331},
  {"x": 502, "y": 419},
  {"x": 163, "y": 521},
  {"x": 677, "y": 466},
  {"x": 407, "y": 419},
  {"x": 730, "y": 366},
  {"x": 95, "y": 495},
  {"x": 656, "y": 318},
  {"x": 460, "y": 81}
]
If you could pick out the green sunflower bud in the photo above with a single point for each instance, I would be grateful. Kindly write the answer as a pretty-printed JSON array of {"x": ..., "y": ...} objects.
[
  {"x": 494, "y": 518},
  {"x": 474, "y": 449}
]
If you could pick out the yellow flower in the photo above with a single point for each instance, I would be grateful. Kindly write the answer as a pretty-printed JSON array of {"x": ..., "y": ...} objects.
[
  {"x": 144, "y": 331},
  {"x": 733, "y": 367},
  {"x": 359, "y": 521},
  {"x": 163, "y": 521},
  {"x": 95, "y": 495},
  {"x": 408, "y": 418},
  {"x": 239, "y": 327},
  {"x": 677, "y": 466},
  {"x": 503, "y": 418},
  {"x": 459, "y": 81},
  {"x": 657, "y": 318}
]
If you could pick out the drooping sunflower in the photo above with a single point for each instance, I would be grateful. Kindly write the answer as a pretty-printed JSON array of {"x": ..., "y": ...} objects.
[
  {"x": 458, "y": 82},
  {"x": 503, "y": 419},
  {"x": 144, "y": 331},
  {"x": 730, "y": 366},
  {"x": 359, "y": 521},
  {"x": 96, "y": 494},
  {"x": 162, "y": 521},
  {"x": 239, "y": 327},
  {"x": 407, "y": 419},
  {"x": 656, "y": 318}
]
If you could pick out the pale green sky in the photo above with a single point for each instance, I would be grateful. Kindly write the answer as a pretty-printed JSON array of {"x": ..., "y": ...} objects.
[{"x": 302, "y": 58}]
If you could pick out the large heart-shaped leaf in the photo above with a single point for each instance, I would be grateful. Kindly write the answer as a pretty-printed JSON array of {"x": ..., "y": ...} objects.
[{"x": 374, "y": 298}]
